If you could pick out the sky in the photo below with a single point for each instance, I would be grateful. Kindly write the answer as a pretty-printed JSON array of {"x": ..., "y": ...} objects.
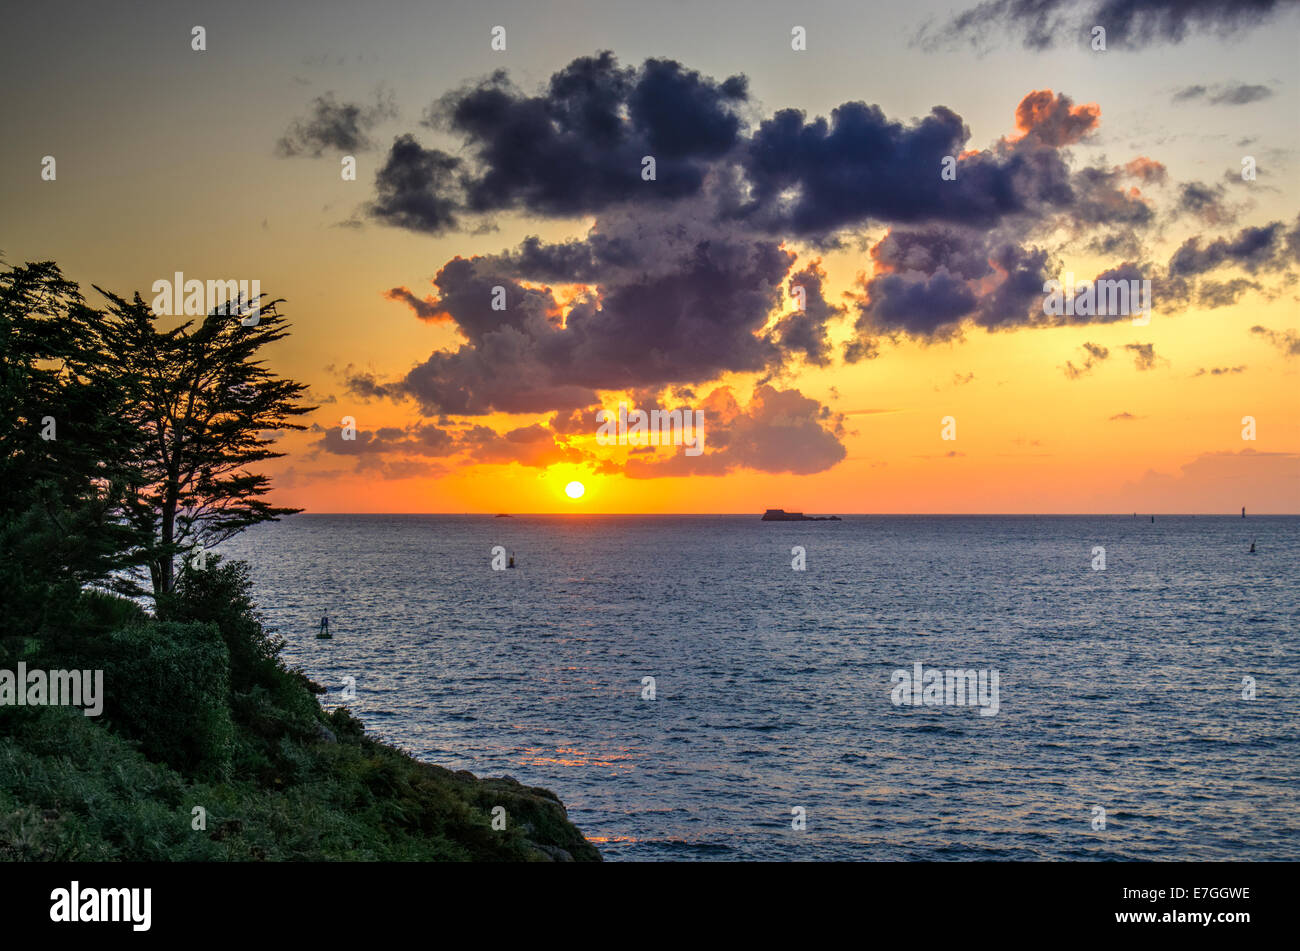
[{"x": 917, "y": 173}]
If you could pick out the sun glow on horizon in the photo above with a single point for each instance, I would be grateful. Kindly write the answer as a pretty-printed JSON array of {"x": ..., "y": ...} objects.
[{"x": 575, "y": 490}]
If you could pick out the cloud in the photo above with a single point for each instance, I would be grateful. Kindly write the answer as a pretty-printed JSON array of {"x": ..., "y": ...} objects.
[
  {"x": 778, "y": 431},
  {"x": 1148, "y": 170},
  {"x": 1224, "y": 94},
  {"x": 420, "y": 439},
  {"x": 1251, "y": 248},
  {"x": 1101, "y": 199},
  {"x": 813, "y": 177},
  {"x": 1135, "y": 24},
  {"x": 1205, "y": 202},
  {"x": 1257, "y": 250},
  {"x": 687, "y": 280},
  {"x": 533, "y": 446},
  {"x": 404, "y": 452},
  {"x": 1144, "y": 355},
  {"x": 414, "y": 188},
  {"x": 1095, "y": 355},
  {"x": 1187, "y": 93},
  {"x": 1055, "y": 121},
  {"x": 1215, "y": 482},
  {"x": 804, "y": 331},
  {"x": 575, "y": 421},
  {"x": 574, "y": 148},
  {"x": 336, "y": 126},
  {"x": 1123, "y": 417},
  {"x": 1219, "y": 371},
  {"x": 688, "y": 308},
  {"x": 929, "y": 284},
  {"x": 1288, "y": 341},
  {"x": 922, "y": 305},
  {"x": 1212, "y": 294},
  {"x": 971, "y": 251}
]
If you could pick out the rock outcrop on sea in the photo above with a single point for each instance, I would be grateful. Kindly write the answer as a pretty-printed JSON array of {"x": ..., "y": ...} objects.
[{"x": 781, "y": 515}]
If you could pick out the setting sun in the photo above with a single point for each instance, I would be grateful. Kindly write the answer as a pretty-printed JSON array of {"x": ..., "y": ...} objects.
[{"x": 575, "y": 490}]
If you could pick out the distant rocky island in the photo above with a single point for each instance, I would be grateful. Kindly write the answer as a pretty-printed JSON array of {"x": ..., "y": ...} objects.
[{"x": 781, "y": 515}]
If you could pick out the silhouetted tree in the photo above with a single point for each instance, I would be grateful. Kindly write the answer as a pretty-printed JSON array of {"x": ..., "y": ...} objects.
[
  {"x": 208, "y": 409},
  {"x": 67, "y": 451}
]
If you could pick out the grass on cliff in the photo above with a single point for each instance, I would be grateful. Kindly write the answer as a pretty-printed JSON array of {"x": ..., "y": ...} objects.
[{"x": 201, "y": 712}]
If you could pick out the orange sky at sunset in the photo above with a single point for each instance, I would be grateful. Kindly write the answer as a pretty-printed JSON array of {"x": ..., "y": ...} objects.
[{"x": 1042, "y": 424}]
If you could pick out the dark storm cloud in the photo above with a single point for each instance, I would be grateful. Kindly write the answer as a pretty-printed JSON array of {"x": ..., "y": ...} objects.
[
  {"x": 930, "y": 281},
  {"x": 1258, "y": 250},
  {"x": 1017, "y": 299},
  {"x": 1129, "y": 23},
  {"x": 689, "y": 309},
  {"x": 505, "y": 375},
  {"x": 420, "y": 439},
  {"x": 686, "y": 279},
  {"x": 814, "y": 177},
  {"x": 415, "y": 188},
  {"x": 578, "y": 147},
  {"x": 1122, "y": 274},
  {"x": 575, "y": 148},
  {"x": 920, "y": 306},
  {"x": 575, "y": 261},
  {"x": 1251, "y": 248},
  {"x": 803, "y": 332},
  {"x": 337, "y": 126},
  {"x": 960, "y": 252}
]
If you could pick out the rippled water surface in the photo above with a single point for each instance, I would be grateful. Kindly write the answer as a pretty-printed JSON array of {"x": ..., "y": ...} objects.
[{"x": 1119, "y": 688}]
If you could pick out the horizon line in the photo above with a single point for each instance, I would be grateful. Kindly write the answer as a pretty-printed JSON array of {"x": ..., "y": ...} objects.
[{"x": 844, "y": 515}]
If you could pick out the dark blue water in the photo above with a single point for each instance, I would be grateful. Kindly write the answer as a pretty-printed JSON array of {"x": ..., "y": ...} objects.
[{"x": 1119, "y": 689}]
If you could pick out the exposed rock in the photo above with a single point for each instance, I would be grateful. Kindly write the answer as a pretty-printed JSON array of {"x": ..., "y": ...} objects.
[{"x": 553, "y": 852}]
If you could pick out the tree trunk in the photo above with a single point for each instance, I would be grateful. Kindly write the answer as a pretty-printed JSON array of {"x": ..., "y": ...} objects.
[{"x": 166, "y": 566}]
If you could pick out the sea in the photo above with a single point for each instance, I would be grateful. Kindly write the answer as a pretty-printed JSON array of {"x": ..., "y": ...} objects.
[{"x": 722, "y": 688}]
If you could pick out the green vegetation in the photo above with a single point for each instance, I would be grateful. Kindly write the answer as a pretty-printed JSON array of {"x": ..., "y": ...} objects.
[
  {"x": 200, "y": 712},
  {"x": 123, "y": 448}
]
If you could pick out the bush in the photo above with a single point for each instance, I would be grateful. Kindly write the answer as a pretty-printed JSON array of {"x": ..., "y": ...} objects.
[
  {"x": 167, "y": 685},
  {"x": 222, "y": 595}
]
